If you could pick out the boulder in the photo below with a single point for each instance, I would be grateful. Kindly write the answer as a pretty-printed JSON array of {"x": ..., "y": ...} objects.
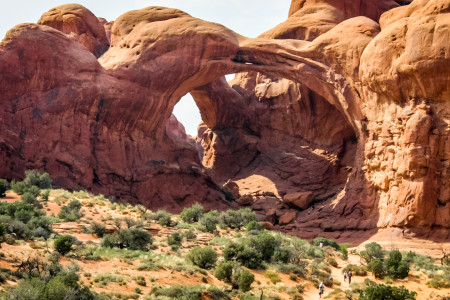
[{"x": 300, "y": 200}]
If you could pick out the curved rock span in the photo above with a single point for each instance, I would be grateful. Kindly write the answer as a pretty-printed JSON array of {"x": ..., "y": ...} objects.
[{"x": 337, "y": 120}]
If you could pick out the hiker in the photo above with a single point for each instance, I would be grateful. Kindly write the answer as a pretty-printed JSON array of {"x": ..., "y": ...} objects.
[
  {"x": 345, "y": 276},
  {"x": 321, "y": 289},
  {"x": 331, "y": 280},
  {"x": 403, "y": 232},
  {"x": 350, "y": 277}
]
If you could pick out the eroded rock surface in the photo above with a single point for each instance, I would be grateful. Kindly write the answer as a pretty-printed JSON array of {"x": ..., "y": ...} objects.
[{"x": 351, "y": 114}]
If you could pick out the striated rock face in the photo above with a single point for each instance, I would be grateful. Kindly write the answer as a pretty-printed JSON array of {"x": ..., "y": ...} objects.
[{"x": 331, "y": 108}]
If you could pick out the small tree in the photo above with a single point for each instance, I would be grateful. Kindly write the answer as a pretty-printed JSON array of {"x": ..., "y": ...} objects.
[
  {"x": 395, "y": 266},
  {"x": 71, "y": 212},
  {"x": 63, "y": 244},
  {"x": 210, "y": 221},
  {"x": 231, "y": 273},
  {"x": 265, "y": 244},
  {"x": 175, "y": 239},
  {"x": 192, "y": 214},
  {"x": 373, "y": 251},
  {"x": 3, "y": 187},
  {"x": 376, "y": 266},
  {"x": 30, "y": 199},
  {"x": 254, "y": 225},
  {"x": 42, "y": 181},
  {"x": 3, "y": 230},
  {"x": 204, "y": 258},
  {"x": 98, "y": 229}
]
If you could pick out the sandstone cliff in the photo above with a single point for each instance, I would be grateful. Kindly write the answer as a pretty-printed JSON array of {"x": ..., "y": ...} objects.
[{"x": 338, "y": 108}]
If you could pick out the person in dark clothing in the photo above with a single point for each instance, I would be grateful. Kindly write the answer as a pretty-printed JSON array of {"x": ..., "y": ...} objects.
[{"x": 350, "y": 277}]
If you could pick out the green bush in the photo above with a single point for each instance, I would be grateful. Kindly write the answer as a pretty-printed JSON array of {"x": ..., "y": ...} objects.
[
  {"x": 98, "y": 229},
  {"x": 192, "y": 214},
  {"x": 209, "y": 221},
  {"x": 373, "y": 251},
  {"x": 30, "y": 199},
  {"x": 282, "y": 255},
  {"x": 272, "y": 276},
  {"x": 18, "y": 187},
  {"x": 440, "y": 281},
  {"x": 63, "y": 244},
  {"x": 254, "y": 225},
  {"x": 237, "y": 218},
  {"x": 344, "y": 250},
  {"x": 163, "y": 218},
  {"x": 174, "y": 239},
  {"x": 132, "y": 239},
  {"x": 382, "y": 291},
  {"x": 3, "y": 187},
  {"x": 356, "y": 270},
  {"x": 204, "y": 258},
  {"x": 190, "y": 235},
  {"x": 325, "y": 242},
  {"x": 71, "y": 212},
  {"x": 42, "y": 181},
  {"x": 377, "y": 267},
  {"x": 251, "y": 258},
  {"x": 45, "y": 195},
  {"x": 395, "y": 266},
  {"x": 34, "y": 190},
  {"x": 232, "y": 251},
  {"x": 245, "y": 280},
  {"x": 179, "y": 292},
  {"x": 265, "y": 243},
  {"x": 140, "y": 280}
]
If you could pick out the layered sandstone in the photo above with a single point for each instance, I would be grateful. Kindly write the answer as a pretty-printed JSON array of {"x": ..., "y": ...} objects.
[{"x": 344, "y": 114}]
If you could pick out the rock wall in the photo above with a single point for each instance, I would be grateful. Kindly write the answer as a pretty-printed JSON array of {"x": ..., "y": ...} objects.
[{"x": 342, "y": 114}]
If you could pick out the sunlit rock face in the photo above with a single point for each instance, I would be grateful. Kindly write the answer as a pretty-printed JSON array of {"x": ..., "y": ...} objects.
[{"x": 335, "y": 109}]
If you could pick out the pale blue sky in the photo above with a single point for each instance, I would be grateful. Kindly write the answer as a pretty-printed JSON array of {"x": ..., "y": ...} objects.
[{"x": 247, "y": 17}]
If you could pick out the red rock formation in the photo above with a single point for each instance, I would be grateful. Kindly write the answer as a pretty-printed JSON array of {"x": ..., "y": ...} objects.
[
  {"x": 354, "y": 117},
  {"x": 80, "y": 24}
]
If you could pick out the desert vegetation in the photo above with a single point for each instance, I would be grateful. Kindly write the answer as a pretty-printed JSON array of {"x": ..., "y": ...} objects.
[{"x": 74, "y": 245}]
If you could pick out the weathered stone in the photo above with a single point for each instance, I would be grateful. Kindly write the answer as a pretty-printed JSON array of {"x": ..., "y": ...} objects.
[{"x": 300, "y": 200}]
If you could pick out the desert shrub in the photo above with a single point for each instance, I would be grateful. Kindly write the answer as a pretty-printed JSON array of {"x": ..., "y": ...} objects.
[
  {"x": 42, "y": 181},
  {"x": 356, "y": 270},
  {"x": 140, "y": 280},
  {"x": 344, "y": 250},
  {"x": 60, "y": 286},
  {"x": 71, "y": 212},
  {"x": 45, "y": 195},
  {"x": 231, "y": 273},
  {"x": 204, "y": 258},
  {"x": 254, "y": 225},
  {"x": 246, "y": 255},
  {"x": 34, "y": 190},
  {"x": 332, "y": 262},
  {"x": 395, "y": 266},
  {"x": 163, "y": 218},
  {"x": 237, "y": 218},
  {"x": 245, "y": 280},
  {"x": 377, "y": 267},
  {"x": 98, "y": 229},
  {"x": 325, "y": 242},
  {"x": 180, "y": 292},
  {"x": 18, "y": 187},
  {"x": 209, "y": 221},
  {"x": 373, "y": 251},
  {"x": 251, "y": 258},
  {"x": 3, "y": 187},
  {"x": 265, "y": 243},
  {"x": 282, "y": 255},
  {"x": 2, "y": 233},
  {"x": 232, "y": 251},
  {"x": 132, "y": 239},
  {"x": 174, "y": 239},
  {"x": 63, "y": 244},
  {"x": 272, "y": 276},
  {"x": 440, "y": 281},
  {"x": 30, "y": 199},
  {"x": 192, "y": 214},
  {"x": 381, "y": 291},
  {"x": 190, "y": 235}
]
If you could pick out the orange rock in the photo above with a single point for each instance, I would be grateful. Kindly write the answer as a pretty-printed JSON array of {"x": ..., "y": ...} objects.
[{"x": 300, "y": 200}]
